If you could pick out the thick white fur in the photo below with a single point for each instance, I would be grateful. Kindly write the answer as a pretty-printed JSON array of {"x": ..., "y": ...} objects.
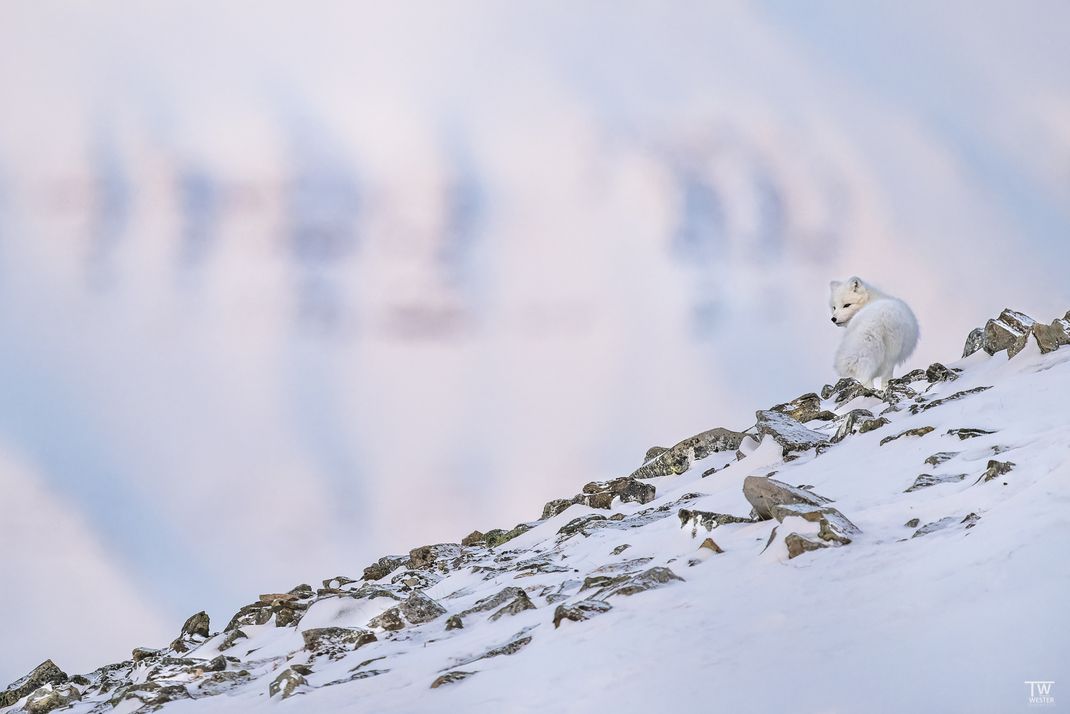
[{"x": 881, "y": 331}]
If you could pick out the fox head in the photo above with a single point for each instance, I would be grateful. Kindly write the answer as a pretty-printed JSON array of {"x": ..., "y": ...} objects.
[{"x": 846, "y": 298}]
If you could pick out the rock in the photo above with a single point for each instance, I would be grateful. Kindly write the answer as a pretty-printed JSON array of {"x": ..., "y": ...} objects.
[
  {"x": 970, "y": 520},
  {"x": 495, "y": 601},
  {"x": 519, "y": 604},
  {"x": 798, "y": 544},
  {"x": 256, "y": 613},
  {"x": 451, "y": 677},
  {"x": 678, "y": 459},
  {"x": 912, "y": 523},
  {"x": 710, "y": 545},
  {"x": 415, "y": 579},
  {"x": 473, "y": 538},
  {"x": 556, "y": 506},
  {"x": 847, "y": 389},
  {"x": 389, "y": 620},
  {"x": 790, "y": 434},
  {"x": 964, "y": 434},
  {"x": 974, "y": 342},
  {"x": 941, "y": 456},
  {"x": 995, "y": 469},
  {"x": 383, "y": 567},
  {"x": 453, "y": 622},
  {"x": 646, "y": 580},
  {"x": 194, "y": 631},
  {"x": 516, "y": 643},
  {"x": 939, "y": 373},
  {"x": 917, "y": 431},
  {"x": 143, "y": 653},
  {"x": 216, "y": 664},
  {"x": 336, "y": 642},
  {"x": 498, "y": 536},
  {"x": 653, "y": 452},
  {"x": 418, "y": 609},
  {"x": 1051, "y": 337},
  {"x": 927, "y": 480},
  {"x": 834, "y": 527},
  {"x": 600, "y": 494},
  {"x": 430, "y": 556},
  {"x": 869, "y": 425},
  {"x": 286, "y": 683},
  {"x": 707, "y": 520},
  {"x": 1018, "y": 320},
  {"x": 918, "y": 408},
  {"x": 230, "y": 638},
  {"x": 51, "y": 697},
  {"x": 805, "y": 408},
  {"x": 578, "y": 525},
  {"x": 337, "y": 582},
  {"x": 763, "y": 493},
  {"x": 620, "y": 549},
  {"x": 1001, "y": 336},
  {"x": 579, "y": 611},
  {"x": 302, "y": 591},
  {"x": 850, "y": 422}
]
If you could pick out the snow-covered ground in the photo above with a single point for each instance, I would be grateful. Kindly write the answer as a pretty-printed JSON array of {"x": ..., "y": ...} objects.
[
  {"x": 250, "y": 255},
  {"x": 950, "y": 598}
]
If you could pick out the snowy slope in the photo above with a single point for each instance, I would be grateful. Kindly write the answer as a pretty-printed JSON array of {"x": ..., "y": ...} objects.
[{"x": 946, "y": 597}]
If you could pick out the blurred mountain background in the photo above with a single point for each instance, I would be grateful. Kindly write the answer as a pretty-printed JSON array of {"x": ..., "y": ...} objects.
[{"x": 286, "y": 288}]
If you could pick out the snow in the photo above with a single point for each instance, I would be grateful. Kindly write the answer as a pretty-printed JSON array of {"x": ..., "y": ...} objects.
[{"x": 956, "y": 620}]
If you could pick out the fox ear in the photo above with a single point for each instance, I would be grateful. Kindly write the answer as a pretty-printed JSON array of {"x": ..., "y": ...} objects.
[
  {"x": 856, "y": 283},
  {"x": 834, "y": 285}
]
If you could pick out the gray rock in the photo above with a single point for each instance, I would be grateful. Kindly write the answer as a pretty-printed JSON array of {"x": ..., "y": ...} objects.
[
  {"x": 805, "y": 408},
  {"x": 941, "y": 456},
  {"x": 336, "y": 642},
  {"x": 384, "y": 566},
  {"x": 494, "y": 601},
  {"x": 646, "y": 580},
  {"x": 389, "y": 620},
  {"x": 1051, "y": 337},
  {"x": 579, "y": 525},
  {"x": 707, "y": 520},
  {"x": 939, "y": 373},
  {"x": 927, "y": 480},
  {"x": 964, "y": 434},
  {"x": 678, "y": 459},
  {"x": 51, "y": 697},
  {"x": 845, "y": 390},
  {"x": 974, "y": 341},
  {"x": 454, "y": 622},
  {"x": 415, "y": 579},
  {"x": 912, "y": 523},
  {"x": 798, "y": 544},
  {"x": 450, "y": 678},
  {"x": 498, "y": 536},
  {"x": 194, "y": 631},
  {"x": 474, "y": 538},
  {"x": 580, "y": 611},
  {"x": 520, "y": 603},
  {"x": 556, "y": 506},
  {"x": 995, "y": 469},
  {"x": 850, "y": 423},
  {"x": 287, "y": 683},
  {"x": 600, "y": 494},
  {"x": 418, "y": 609},
  {"x": 790, "y": 434},
  {"x": 432, "y": 556},
  {"x": 1005, "y": 334},
  {"x": 516, "y": 643},
  {"x": 918, "y": 408},
  {"x": 653, "y": 452},
  {"x": 835, "y": 528},
  {"x": 763, "y": 493},
  {"x": 917, "y": 431},
  {"x": 620, "y": 549}
]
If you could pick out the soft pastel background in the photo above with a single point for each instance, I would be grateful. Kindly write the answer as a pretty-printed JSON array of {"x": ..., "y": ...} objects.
[{"x": 285, "y": 287}]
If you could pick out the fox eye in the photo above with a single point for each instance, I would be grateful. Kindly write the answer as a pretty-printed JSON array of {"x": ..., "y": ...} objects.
[{"x": 847, "y": 305}]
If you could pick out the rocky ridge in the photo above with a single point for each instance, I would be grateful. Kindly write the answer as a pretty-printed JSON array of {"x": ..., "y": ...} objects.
[{"x": 449, "y": 610}]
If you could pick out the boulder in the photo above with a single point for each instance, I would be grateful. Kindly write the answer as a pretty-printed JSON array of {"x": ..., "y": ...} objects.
[
  {"x": 579, "y": 611},
  {"x": 45, "y": 673},
  {"x": 51, "y": 697},
  {"x": 974, "y": 341},
  {"x": 678, "y": 459},
  {"x": 336, "y": 642},
  {"x": 917, "y": 431},
  {"x": 451, "y": 677},
  {"x": 995, "y": 469},
  {"x": 1051, "y": 337},
  {"x": 600, "y": 494},
  {"x": 520, "y": 603},
  {"x": 707, "y": 520},
  {"x": 940, "y": 457},
  {"x": 432, "y": 556},
  {"x": 286, "y": 683},
  {"x": 556, "y": 506},
  {"x": 194, "y": 631},
  {"x": 927, "y": 480},
  {"x": 763, "y": 493},
  {"x": 805, "y": 408},
  {"x": 918, "y": 408},
  {"x": 789, "y": 433},
  {"x": 383, "y": 567},
  {"x": 964, "y": 434},
  {"x": 834, "y": 527}
]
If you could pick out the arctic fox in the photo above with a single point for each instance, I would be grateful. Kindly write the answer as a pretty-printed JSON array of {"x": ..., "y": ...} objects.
[{"x": 881, "y": 331}]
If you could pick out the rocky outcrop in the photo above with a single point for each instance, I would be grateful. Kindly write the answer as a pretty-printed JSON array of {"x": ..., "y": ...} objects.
[
  {"x": 287, "y": 683},
  {"x": 335, "y": 642},
  {"x": 45, "y": 673},
  {"x": 789, "y": 433},
  {"x": 765, "y": 493},
  {"x": 927, "y": 480},
  {"x": 1011, "y": 331},
  {"x": 678, "y": 459},
  {"x": 580, "y": 611},
  {"x": 51, "y": 697},
  {"x": 805, "y": 408},
  {"x": 194, "y": 631},
  {"x": 916, "y": 431},
  {"x": 707, "y": 520}
]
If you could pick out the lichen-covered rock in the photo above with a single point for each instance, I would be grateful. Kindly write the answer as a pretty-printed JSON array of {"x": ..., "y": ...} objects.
[
  {"x": 419, "y": 608},
  {"x": 454, "y": 622},
  {"x": 415, "y": 579},
  {"x": 1051, "y": 337},
  {"x": 678, "y": 459},
  {"x": 142, "y": 653},
  {"x": 194, "y": 631},
  {"x": 474, "y": 538},
  {"x": 939, "y": 373},
  {"x": 494, "y": 601},
  {"x": 580, "y": 611},
  {"x": 498, "y": 536},
  {"x": 917, "y": 431},
  {"x": 653, "y": 452},
  {"x": 286, "y": 683},
  {"x": 600, "y": 494},
  {"x": 927, "y": 480},
  {"x": 707, "y": 520},
  {"x": 789, "y": 433},
  {"x": 641, "y": 582},
  {"x": 451, "y": 677},
  {"x": 151, "y": 695},
  {"x": 257, "y": 613},
  {"x": 995, "y": 469},
  {"x": 556, "y": 506},
  {"x": 834, "y": 527},
  {"x": 1010, "y": 331},
  {"x": 389, "y": 620},
  {"x": 336, "y": 642},
  {"x": 805, "y": 408},
  {"x": 520, "y": 603},
  {"x": 845, "y": 390},
  {"x": 964, "y": 434},
  {"x": 50, "y": 697},
  {"x": 940, "y": 457},
  {"x": 432, "y": 556},
  {"x": 763, "y": 493},
  {"x": 384, "y": 566},
  {"x": 855, "y": 421},
  {"x": 579, "y": 525}
]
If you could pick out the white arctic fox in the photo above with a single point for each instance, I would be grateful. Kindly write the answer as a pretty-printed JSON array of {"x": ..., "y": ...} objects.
[{"x": 881, "y": 331}]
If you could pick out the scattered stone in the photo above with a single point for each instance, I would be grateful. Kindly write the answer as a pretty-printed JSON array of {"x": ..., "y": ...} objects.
[
  {"x": 678, "y": 459},
  {"x": 939, "y": 373},
  {"x": 430, "y": 556},
  {"x": 646, "y": 580},
  {"x": 919, "y": 431},
  {"x": 974, "y": 341},
  {"x": 600, "y": 494},
  {"x": 969, "y": 521},
  {"x": 918, "y": 408},
  {"x": 194, "y": 631},
  {"x": 518, "y": 642},
  {"x": 451, "y": 677},
  {"x": 707, "y": 520},
  {"x": 383, "y": 567},
  {"x": 578, "y": 525},
  {"x": 454, "y": 622},
  {"x": 474, "y": 538},
  {"x": 964, "y": 434},
  {"x": 851, "y": 422},
  {"x": 286, "y": 683},
  {"x": 498, "y": 536},
  {"x": 941, "y": 456},
  {"x": 50, "y": 697},
  {"x": 927, "y": 480},
  {"x": 580, "y": 611},
  {"x": 337, "y": 582},
  {"x": 519, "y": 604},
  {"x": 805, "y": 408},
  {"x": 555, "y": 507},
  {"x": 869, "y": 425},
  {"x": 798, "y": 544},
  {"x": 709, "y": 544},
  {"x": 336, "y": 642},
  {"x": 846, "y": 390},
  {"x": 763, "y": 493},
  {"x": 653, "y": 452},
  {"x": 912, "y": 523},
  {"x": 835, "y": 527},
  {"x": 143, "y": 653},
  {"x": 415, "y": 579},
  {"x": 788, "y": 432},
  {"x": 620, "y": 549},
  {"x": 418, "y": 609},
  {"x": 995, "y": 469},
  {"x": 495, "y": 601}
]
